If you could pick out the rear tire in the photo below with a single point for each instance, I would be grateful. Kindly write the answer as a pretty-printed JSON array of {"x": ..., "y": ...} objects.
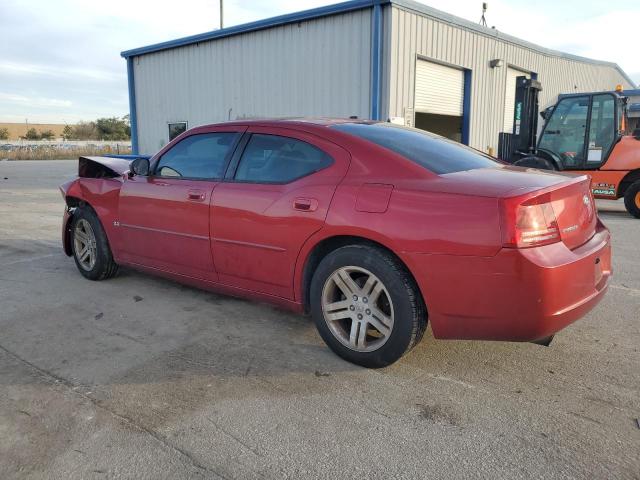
[
  {"x": 366, "y": 306},
  {"x": 632, "y": 199},
  {"x": 90, "y": 246}
]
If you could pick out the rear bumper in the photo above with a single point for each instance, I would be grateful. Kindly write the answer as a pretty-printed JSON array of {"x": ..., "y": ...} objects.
[{"x": 518, "y": 295}]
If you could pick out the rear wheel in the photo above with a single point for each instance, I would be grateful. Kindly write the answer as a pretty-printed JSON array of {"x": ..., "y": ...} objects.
[
  {"x": 366, "y": 306},
  {"x": 632, "y": 199},
  {"x": 91, "y": 250}
]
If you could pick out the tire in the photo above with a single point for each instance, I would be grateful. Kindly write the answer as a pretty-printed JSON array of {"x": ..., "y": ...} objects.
[
  {"x": 535, "y": 162},
  {"x": 632, "y": 199},
  {"x": 396, "y": 310},
  {"x": 96, "y": 261}
]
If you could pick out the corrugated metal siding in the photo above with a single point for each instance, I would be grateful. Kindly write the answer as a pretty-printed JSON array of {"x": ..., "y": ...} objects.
[
  {"x": 317, "y": 68},
  {"x": 412, "y": 34}
]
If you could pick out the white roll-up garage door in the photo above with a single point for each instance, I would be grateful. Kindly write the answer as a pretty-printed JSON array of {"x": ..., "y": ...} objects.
[
  {"x": 510, "y": 97},
  {"x": 439, "y": 89}
]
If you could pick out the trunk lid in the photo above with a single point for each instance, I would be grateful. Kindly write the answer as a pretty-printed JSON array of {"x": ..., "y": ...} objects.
[{"x": 575, "y": 212}]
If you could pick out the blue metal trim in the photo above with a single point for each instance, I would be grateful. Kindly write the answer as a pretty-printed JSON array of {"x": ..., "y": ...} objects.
[
  {"x": 133, "y": 117},
  {"x": 376, "y": 61},
  {"x": 634, "y": 107},
  {"x": 259, "y": 25},
  {"x": 466, "y": 108},
  {"x": 534, "y": 76}
]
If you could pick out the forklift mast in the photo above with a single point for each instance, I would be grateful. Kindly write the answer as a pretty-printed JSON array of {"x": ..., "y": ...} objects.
[{"x": 522, "y": 142}]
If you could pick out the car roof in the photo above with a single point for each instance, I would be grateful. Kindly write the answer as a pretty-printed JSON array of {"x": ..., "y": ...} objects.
[{"x": 292, "y": 121}]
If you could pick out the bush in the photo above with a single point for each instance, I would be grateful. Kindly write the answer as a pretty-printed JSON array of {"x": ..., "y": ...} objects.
[
  {"x": 32, "y": 134},
  {"x": 112, "y": 129},
  {"x": 67, "y": 133},
  {"x": 85, "y": 131}
]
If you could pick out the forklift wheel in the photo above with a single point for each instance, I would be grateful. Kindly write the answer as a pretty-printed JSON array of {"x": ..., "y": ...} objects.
[
  {"x": 632, "y": 199},
  {"x": 535, "y": 162}
]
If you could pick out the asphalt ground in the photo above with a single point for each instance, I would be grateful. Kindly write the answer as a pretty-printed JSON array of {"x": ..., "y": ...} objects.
[{"x": 140, "y": 377}]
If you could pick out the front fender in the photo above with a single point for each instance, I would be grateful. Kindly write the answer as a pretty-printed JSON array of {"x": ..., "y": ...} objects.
[
  {"x": 66, "y": 232},
  {"x": 101, "y": 194},
  {"x": 69, "y": 190}
]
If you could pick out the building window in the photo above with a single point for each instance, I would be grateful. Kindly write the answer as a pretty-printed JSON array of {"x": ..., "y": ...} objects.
[{"x": 176, "y": 129}]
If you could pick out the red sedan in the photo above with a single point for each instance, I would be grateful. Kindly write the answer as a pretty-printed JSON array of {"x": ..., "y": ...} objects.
[{"x": 372, "y": 228}]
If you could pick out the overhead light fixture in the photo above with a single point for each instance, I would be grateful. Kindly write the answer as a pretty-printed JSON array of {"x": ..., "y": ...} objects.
[{"x": 496, "y": 63}]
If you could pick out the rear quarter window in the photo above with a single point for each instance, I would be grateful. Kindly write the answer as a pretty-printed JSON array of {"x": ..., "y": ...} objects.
[{"x": 435, "y": 153}]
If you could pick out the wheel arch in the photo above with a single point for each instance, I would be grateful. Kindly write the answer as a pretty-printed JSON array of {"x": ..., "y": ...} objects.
[
  {"x": 319, "y": 249},
  {"x": 72, "y": 202}
]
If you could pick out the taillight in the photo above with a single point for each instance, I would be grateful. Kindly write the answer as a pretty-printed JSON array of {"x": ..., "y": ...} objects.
[{"x": 529, "y": 222}]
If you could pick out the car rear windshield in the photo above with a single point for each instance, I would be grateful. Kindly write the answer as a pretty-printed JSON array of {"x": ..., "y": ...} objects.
[{"x": 435, "y": 153}]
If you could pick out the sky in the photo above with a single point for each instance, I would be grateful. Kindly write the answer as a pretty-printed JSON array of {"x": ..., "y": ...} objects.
[{"x": 60, "y": 59}]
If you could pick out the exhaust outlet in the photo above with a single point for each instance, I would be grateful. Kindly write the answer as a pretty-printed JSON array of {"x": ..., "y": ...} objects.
[{"x": 545, "y": 341}]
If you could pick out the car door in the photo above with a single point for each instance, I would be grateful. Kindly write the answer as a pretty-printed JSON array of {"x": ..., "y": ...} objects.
[
  {"x": 164, "y": 218},
  {"x": 282, "y": 183}
]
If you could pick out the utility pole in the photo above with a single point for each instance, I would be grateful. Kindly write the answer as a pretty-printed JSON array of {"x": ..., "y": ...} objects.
[{"x": 221, "y": 15}]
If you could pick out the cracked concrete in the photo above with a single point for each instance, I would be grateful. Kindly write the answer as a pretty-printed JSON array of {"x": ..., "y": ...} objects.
[{"x": 139, "y": 377}]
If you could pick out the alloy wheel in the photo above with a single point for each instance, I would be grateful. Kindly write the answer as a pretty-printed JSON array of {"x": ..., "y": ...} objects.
[
  {"x": 85, "y": 244},
  {"x": 357, "y": 308}
]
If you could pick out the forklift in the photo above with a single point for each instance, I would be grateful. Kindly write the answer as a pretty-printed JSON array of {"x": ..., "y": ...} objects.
[{"x": 585, "y": 133}]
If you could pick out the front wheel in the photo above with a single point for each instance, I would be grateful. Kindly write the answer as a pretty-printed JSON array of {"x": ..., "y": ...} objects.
[
  {"x": 366, "y": 306},
  {"x": 91, "y": 250},
  {"x": 632, "y": 199}
]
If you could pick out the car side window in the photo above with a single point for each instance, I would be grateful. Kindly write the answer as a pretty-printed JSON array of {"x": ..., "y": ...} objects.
[
  {"x": 198, "y": 156},
  {"x": 276, "y": 159}
]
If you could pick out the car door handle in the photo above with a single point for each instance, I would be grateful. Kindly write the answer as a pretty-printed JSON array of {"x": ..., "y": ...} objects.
[
  {"x": 196, "y": 195},
  {"x": 305, "y": 204}
]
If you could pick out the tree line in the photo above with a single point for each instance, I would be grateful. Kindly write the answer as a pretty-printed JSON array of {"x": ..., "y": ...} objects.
[{"x": 113, "y": 128}]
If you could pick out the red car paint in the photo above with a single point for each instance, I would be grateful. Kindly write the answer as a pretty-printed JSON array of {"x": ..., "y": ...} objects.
[{"x": 256, "y": 240}]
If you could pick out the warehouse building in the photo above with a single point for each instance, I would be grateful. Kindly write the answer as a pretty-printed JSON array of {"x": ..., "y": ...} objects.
[
  {"x": 633, "y": 107},
  {"x": 382, "y": 59}
]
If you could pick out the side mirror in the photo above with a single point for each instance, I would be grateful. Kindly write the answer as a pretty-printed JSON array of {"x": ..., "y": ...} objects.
[{"x": 140, "y": 166}]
